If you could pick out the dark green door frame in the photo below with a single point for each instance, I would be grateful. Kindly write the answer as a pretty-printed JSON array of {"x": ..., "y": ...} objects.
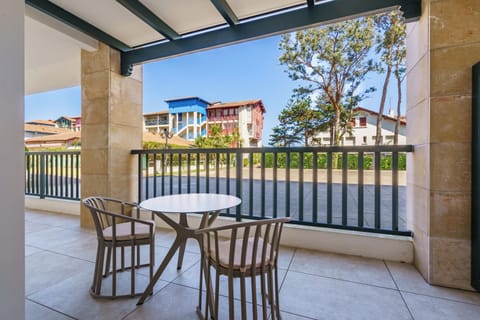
[{"x": 476, "y": 176}]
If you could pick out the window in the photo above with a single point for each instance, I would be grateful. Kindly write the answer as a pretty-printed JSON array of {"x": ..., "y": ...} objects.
[
  {"x": 365, "y": 139},
  {"x": 180, "y": 117},
  {"x": 363, "y": 121},
  {"x": 225, "y": 112},
  {"x": 232, "y": 111}
]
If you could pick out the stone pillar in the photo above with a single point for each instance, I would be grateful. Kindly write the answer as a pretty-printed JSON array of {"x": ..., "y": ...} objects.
[
  {"x": 111, "y": 127},
  {"x": 441, "y": 49}
]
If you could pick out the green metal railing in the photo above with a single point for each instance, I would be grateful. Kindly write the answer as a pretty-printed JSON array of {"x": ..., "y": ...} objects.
[
  {"x": 354, "y": 188},
  {"x": 53, "y": 174}
]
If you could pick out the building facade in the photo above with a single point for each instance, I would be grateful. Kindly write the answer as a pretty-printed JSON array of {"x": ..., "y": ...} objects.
[
  {"x": 364, "y": 130},
  {"x": 190, "y": 118},
  {"x": 246, "y": 117}
]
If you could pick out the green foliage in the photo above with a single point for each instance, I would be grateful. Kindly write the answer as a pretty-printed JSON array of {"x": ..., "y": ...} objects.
[
  {"x": 322, "y": 161},
  {"x": 298, "y": 121},
  {"x": 331, "y": 63},
  {"x": 218, "y": 139}
]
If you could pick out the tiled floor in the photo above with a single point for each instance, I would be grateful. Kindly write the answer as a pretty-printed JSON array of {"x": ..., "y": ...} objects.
[{"x": 314, "y": 285}]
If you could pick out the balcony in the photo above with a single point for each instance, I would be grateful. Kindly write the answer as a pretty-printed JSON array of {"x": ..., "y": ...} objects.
[{"x": 314, "y": 285}]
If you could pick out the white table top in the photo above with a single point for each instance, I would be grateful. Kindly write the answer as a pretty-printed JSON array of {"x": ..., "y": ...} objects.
[{"x": 191, "y": 203}]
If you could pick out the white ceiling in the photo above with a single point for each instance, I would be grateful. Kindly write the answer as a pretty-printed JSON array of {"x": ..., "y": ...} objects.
[
  {"x": 52, "y": 49},
  {"x": 52, "y": 53}
]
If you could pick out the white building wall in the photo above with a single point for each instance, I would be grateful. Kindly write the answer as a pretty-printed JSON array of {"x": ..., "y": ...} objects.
[
  {"x": 366, "y": 135},
  {"x": 244, "y": 117},
  {"x": 12, "y": 229}
]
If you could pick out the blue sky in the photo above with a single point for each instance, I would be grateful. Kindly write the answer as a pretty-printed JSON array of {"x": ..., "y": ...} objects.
[{"x": 240, "y": 72}]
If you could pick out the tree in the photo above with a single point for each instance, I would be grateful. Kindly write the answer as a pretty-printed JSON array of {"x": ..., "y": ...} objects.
[
  {"x": 218, "y": 139},
  {"x": 391, "y": 37},
  {"x": 282, "y": 136},
  {"x": 331, "y": 62}
]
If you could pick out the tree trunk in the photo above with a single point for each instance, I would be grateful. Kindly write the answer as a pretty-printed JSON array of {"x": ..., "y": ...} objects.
[
  {"x": 399, "y": 102},
  {"x": 378, "y": 137}
]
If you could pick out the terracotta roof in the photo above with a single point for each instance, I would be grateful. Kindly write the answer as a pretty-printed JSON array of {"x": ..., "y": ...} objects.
[
  {"x": 237, "y": 104},
  {"x": 148, "y": 136},
  {"x": 50, "y": 123},
  {"x": 402, "y": 119},
  {"x": 44, "y": 129},
  {"x": 61, "y": 137}
]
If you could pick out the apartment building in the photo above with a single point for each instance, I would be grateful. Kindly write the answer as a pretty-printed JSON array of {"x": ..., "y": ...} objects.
[
  {"x": 190, "y": 117},
  {"x": 364, "y": 130},
  {"x": 244, "y": 116}
]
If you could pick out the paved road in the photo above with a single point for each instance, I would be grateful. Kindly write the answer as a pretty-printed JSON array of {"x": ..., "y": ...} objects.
[{"x": 253, "y": 191}]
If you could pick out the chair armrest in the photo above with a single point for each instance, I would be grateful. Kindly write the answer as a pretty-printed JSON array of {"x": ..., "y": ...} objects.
[
  {"x": 124, "y": 217},
  {"x": 242, "y": 224}
]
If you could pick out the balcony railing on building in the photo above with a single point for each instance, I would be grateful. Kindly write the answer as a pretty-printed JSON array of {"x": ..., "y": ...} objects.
[
  {"x": 355, "y": 188},
  {"x": 53, "y": 174}
]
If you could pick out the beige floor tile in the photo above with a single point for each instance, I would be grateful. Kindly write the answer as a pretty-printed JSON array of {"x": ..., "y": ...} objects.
[
  {"x": 190, "y": 278},
  {"x": 72, "y": 297},
  {"x": 44, "y": 269},
  {"x": 176, "y": 302},
  {"x": 84, "y": 248},
  {"x": 29, "y": 250},
  {"x": 337, "y": 266},
  {"x": 409, "y": 279},
  {"x": 285, "y": 257},
  {"x": 429, "y": 308},
  {"x": 171, "y": 272},
  {"x": 35, "y": 311},
  {"x": 53, "y": 219},
  {"x": 55, "y": 237},
  {"x": 324, "y": 298},
  {"x": 34, "y": 226},
  {"x": 171, "y": 303}
]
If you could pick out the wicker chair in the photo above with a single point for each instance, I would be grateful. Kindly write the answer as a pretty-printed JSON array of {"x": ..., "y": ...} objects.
[
  {"x": 118, "y": 225},
  {"x": 250, "y": 250}
]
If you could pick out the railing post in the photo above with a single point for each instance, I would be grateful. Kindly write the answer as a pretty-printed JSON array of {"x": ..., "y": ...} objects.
[
  {"x": 42, "y": 176},
  {"x": 238, "y": 177}
]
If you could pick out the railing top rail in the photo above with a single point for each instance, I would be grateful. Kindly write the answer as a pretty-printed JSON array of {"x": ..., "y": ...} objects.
[
  {"x": 51, "y": 152},
  {"x": 382, "y": 148}
]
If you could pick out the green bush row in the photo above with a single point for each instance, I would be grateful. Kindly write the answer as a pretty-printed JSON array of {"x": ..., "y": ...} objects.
[{"x": 352, "y": 161}]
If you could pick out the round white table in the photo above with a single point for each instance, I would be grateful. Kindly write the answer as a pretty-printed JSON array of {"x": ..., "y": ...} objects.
[{"x": 208, "y": 204}]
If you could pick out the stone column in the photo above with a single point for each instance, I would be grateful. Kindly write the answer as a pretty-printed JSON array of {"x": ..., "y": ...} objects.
[
  {"x": 441, "y": 49},
  {"x": 111, "y": 127}
]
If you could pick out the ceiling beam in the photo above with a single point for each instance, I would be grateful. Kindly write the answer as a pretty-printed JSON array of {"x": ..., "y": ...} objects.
[
  {"x": 150, "y": 18},
  {"x": 321, "y": 13},
  {"x": 77, "y": 23},
  {"x": 227, "y": 13}
]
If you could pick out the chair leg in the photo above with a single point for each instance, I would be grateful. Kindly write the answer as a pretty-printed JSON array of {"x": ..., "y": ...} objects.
[
  {"x": 98, "y": 269},
  {"x": 217, "y": 292},
  {"x": 264, "y": 295},
  {"x": 114, "y": 271},
  {"x": 243, "y": 297},
  {"x": 132, "y": 270},
  {"x": 98, "y": 281},
  {"x": 254, "y": 297},
  {"x": 122, "y": 263},
  {"x": 107, "y": 265},
  {"x": 270, "y": 292},
  {"x": 277, "y": 295},
  {"x": 230, "y": 297}
]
